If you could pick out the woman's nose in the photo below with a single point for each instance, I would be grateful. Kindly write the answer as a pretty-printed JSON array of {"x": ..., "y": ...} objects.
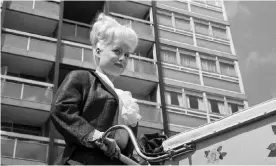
[{"x": 122, "y": 58}]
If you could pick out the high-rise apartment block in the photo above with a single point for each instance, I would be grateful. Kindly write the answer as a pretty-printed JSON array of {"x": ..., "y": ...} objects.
[{"x": 184, "y": 72}]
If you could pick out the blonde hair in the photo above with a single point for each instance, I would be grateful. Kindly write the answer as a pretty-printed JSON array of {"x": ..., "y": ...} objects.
[{"x": 106, "y": 30}]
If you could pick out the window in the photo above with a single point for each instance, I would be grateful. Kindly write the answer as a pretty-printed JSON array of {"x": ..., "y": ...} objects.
[
  {"x": 19, "y": 128},
  {"x": 233, "y": 107},
  {"x": 174, "y": 98},
  {"x": 187, "y": 60},
  {"x": 168, "y": 56},
  {"x": 195, "y": 100},
  {"x": 202, "y": 28},
  {"x": 217, "y": 106},
  {"x": 208, "y": 65},
  {"x": 227, "y": 69},
  {"x": 214, "y": 106},
  {"x": 35, "y": 78},
  {"x": 164, "y": 18},
  {"x": 182, "y": 22},
  {"x": 219, "y": 31}
]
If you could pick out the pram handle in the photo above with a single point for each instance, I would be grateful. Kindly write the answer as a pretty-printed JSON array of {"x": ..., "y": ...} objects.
[
  {"x": 165, "y": 156},
  {"x": 122, "y": 157}
]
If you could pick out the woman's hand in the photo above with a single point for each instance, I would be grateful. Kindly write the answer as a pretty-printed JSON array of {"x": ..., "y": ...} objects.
[{"x": 113, "y": 149}]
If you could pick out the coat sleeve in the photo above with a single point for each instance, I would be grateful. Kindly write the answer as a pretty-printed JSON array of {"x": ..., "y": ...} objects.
[{"x": 67, "y": 108}]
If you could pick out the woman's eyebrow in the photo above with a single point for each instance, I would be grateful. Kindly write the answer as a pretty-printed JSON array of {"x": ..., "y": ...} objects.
[{"x": 117, "y": 47}]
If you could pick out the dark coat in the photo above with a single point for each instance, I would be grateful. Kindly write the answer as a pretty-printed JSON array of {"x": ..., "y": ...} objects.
[{"x": 83, "y": 103}]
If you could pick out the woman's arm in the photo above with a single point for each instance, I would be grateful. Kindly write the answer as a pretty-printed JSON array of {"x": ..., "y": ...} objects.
[
  {"x": 67, "y": 108},
  {"x": 130, "y": 147}
]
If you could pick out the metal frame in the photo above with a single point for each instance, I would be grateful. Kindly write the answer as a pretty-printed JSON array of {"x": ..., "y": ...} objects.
[
  {"x": 160, "y": 70},
  {"x": 51, "y": 150}
]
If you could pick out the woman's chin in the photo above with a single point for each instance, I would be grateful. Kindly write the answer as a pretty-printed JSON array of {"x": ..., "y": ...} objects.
[{"x": 118, "y": 73}]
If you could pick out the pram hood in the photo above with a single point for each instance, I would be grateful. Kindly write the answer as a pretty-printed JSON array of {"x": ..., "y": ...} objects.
[{"x": 235, "y": 120}]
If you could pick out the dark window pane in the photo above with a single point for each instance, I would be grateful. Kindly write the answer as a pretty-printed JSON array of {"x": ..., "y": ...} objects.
[
  {"x": 234, "y": 108},
  {"x": 174, "y": 99},
  {"x": 19, "y": 128},
  {"x": 193, "y": 102},
  {"x": 214, "y": 106},
  {"x": 30, "y": 77}
]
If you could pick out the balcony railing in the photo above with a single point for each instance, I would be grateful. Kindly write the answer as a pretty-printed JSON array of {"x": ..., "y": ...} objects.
[
  {"x": 27, "y": 90},
  {"x": 25, "y": 147},
  {"x": 150, "y": 111},
  {"x": 82, "y": 55},
  {"x": 76, "y": 31},
  {"x": 43, "y": 8},
  {"x": 180, "y": 37},
  {"x": 141, "y": 27},
  {"x": 77, "y": 54},
  {"x": 174, "y": 4},
  {"x": 221, "y": 82},
  {"x": 142, "y": 65},
  {"x": 181, "y": 74},
  {"x": 27, "y": 44},
  {"x": 186, "y": 117},
  {"x": 213, "y": 43},
  {"x": 207, "y": 11},
  {"x": 216, "y": 116}
]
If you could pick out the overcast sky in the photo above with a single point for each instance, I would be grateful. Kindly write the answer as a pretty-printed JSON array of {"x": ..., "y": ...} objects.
[{"x": 253, "y": 28}]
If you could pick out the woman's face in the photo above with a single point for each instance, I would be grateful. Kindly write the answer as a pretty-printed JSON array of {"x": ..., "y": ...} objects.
[{"x": 114, "y": 58}]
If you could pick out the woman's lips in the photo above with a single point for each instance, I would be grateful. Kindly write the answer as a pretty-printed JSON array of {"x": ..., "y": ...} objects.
[{"x": 119, "y": 65}]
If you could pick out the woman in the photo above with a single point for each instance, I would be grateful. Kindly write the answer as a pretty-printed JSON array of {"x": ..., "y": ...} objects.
[{"x": 87, "y": 104}]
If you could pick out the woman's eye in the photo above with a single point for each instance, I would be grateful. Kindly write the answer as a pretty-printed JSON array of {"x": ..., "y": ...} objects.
[
  {"x": 127, "y": 55},
  {"x": 117, "y": 52}
]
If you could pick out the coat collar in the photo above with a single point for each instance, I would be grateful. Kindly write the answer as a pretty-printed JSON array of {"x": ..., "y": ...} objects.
[{"x": 111, "y": 90}]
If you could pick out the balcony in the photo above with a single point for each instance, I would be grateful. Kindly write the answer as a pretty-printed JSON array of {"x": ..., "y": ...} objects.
[
  {"x": 142, "y": 65},
  {"x": 39, "y": 17},
  {"x": 186, "y": 118},
  {"x": 76, "y": 31},
  {"x": 26, "y": 98},
  {"x": 28, "y": 45},
  {"x": 22, "y": 149},
  {"x": 221, "y": 82},
  {"x": 77, "y": 55},
  {"x": 143, "y": 28},
  {"x": 131, "y": 9},
  {"x": 81, "y": 55},
  {"x": 207, "y": 11},
  {"x": 213, "y": 43},
  {"x": 181, "y": 74},
  {"x": 173, "y": 4},
  {"x": 151, "y": 117},
  {"x": 215, "y": 116},
  {"x": 82, "y": 11},
  {"x": 181, "y": 38},
  {"x": 150, "y": 111}
]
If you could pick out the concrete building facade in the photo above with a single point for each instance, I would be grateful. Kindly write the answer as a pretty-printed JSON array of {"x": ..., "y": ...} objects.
[{"x": 184, "y": 72}]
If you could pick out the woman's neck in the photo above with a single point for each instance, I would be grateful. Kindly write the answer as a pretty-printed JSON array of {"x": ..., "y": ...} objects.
[{"x": 110, "y": 77}]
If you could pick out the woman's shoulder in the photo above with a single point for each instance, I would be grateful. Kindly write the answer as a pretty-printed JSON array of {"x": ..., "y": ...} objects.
[{"x": 82, "y": 75}]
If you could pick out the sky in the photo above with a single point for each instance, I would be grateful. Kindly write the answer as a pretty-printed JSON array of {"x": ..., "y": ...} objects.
[{"x": 253, "y": 28}]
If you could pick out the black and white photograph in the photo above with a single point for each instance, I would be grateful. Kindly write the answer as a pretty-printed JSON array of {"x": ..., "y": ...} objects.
[{"x": 130, "y": 82}]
